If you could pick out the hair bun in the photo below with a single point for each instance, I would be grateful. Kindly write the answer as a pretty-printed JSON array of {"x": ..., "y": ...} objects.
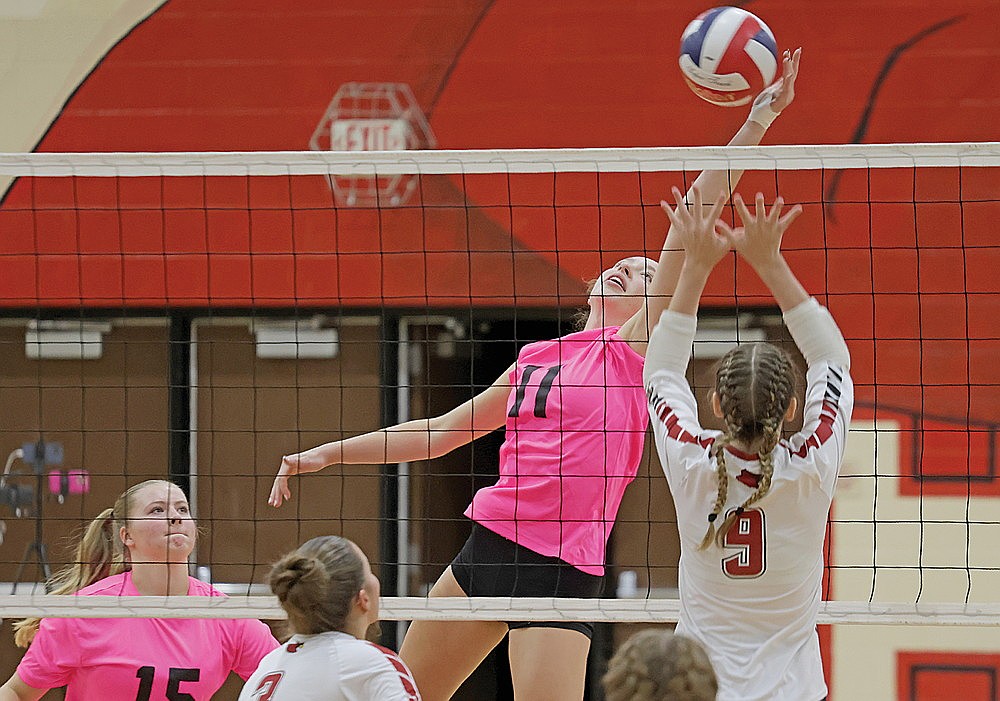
[
  {"x": 318, "y": 583},
  {"x": 292, "y": 571}
]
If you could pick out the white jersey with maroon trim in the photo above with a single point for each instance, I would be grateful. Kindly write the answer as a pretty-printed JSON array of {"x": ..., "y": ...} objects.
[
  {"x": 753, "y": 603},
  {"x": 331, "y": 666}
]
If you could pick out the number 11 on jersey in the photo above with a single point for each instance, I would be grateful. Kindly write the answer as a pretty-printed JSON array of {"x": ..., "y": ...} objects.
[{"x": 541, "y": 394}]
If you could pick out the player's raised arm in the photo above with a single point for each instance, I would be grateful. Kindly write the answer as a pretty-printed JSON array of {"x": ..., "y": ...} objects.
[
  {"x": 759, "y": 242},
  {"x": 696, "y": 231},
  {"x": 711, "y": 183},
  {"x": 765, "y": 109},
  {"x": 420, "y": 439}
]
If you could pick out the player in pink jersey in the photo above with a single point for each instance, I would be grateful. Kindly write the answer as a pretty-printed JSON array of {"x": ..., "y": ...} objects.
[
  {"x": 575, "y": 418},
  {"x": 750, "y": 577},
  {"x": 331, "y": 596},
  {"x": 140, "y": 547}
]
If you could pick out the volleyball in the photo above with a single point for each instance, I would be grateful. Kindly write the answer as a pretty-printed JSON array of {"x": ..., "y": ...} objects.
[{"x": 728, "y": 56}]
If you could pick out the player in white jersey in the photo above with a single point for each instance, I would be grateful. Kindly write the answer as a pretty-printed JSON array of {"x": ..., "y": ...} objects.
[
  {"x": 750, "y": 587},
  {"x": 331, "y": 596}
]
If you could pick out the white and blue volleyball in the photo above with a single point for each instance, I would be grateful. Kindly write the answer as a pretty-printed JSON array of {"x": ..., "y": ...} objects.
[{"x": 728, "y": 56}]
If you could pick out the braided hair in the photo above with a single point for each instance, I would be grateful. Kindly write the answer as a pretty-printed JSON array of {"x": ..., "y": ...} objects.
[{"x": 755, "y": 384}]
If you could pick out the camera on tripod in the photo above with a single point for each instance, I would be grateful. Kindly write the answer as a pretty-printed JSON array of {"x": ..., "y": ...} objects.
[
  {"x": 18, "y": 497},
  {"x": 25, "y": 499}
]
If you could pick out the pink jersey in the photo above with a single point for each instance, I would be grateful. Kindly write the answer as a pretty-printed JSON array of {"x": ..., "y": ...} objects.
[
  {"x": 576, "y": 420},
  {"x": 142, "y": 658}
]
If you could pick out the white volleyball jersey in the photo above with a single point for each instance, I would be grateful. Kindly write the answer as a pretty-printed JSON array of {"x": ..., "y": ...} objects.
[
  {"x": 331, "y": 666},
  {"x": 753, "y": 603}
]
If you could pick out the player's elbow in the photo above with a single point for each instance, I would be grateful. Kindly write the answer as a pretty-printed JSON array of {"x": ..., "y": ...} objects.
[
  {"x": 841, "y": 355},
  {"x": 445, "y": 433}
]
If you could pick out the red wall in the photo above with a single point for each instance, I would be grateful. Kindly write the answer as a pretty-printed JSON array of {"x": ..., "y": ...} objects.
[{"x": 910, "y": 277}]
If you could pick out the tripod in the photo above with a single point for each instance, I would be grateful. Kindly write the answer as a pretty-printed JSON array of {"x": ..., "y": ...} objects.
[{"x": 38, "y": 455}]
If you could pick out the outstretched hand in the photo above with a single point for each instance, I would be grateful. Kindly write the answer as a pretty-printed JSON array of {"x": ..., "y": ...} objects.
[
  {"x": 295, "y": 464},
  {"x": 697, "y": 228},
  {"x": 776, "y": 97},
  {"x": 279, "y": 490},
  {"x": 759, "y": 239},
  {"x": 784, "y": 89}
]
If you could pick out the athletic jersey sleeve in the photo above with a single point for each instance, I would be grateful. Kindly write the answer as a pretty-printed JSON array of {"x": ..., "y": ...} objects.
[
  {"x": 52, "y": 656},
  {"x": 669, "y": 345},
  {"x": 829, "y": 401},
  {"x": 681, "y": 442},
  {"x": 816, "y": 334},
  {"x": 252, "y": 642},
  {"x": 386, "y": 677}
]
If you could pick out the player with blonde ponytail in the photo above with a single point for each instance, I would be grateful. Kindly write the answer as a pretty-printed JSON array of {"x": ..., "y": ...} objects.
[
  {"x": 99, "y": 554},
  {"x": 750, "y": 579},
  {"x": 139, "y": 547}
]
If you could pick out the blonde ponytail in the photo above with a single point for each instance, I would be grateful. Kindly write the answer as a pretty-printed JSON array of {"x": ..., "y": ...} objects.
[
  {"x": 96, "y": 558},
  {"x": 99, "y": 554}
]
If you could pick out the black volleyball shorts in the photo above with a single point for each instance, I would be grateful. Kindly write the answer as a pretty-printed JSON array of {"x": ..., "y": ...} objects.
[{"x": 491, "y": 565}]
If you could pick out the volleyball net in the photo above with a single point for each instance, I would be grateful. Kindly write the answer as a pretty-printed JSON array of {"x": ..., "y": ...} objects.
[{"x": 196, "y": 316}]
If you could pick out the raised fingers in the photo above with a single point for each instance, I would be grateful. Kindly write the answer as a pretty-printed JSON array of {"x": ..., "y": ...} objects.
[
  {"x": 776, "y": 210},
  {"x": 790, "y": 70},
  {"x": 716, "y": 210},
  {"x": 698, "y": 214},
  {"x": 742, "y": 210},
  {"x": 677, "y": 216},
  {"x": 696, "y": 192},
  {"x": 665, "y": 206},
  {"x": 678, "y": 197},
  {"x": 731, "y": 235},
  {"x": 790, "y": 63},
  {"x": 790, "y": 216}
]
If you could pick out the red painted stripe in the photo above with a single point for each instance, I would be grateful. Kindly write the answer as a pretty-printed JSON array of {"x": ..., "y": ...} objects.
[{"x": 734, "y": 60}]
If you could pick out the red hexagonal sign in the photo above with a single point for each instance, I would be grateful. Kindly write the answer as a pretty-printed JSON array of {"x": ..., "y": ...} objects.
[{"x": 372, "y": 117}]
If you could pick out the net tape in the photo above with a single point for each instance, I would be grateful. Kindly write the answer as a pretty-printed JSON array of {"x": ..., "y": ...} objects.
[
  {"x": 368, "y": 163},
  {"x": 479, "y": 608}
]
